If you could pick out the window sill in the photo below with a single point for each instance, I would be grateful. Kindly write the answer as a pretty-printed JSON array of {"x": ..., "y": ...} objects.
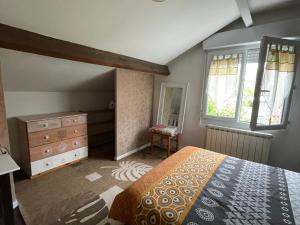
[{"x": 224, "y": 122}]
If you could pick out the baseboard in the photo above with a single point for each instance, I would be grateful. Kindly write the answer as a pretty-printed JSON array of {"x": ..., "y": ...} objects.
[
  {"x": 15, "y": 204},
  {"x": 131, "y": 152},
  {"x": 179, "y": 147}
]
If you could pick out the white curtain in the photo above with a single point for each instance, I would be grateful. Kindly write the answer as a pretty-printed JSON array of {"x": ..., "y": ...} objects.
[
  {"x": 223, "y": 84},
  {"x": 276, "y": 83}
]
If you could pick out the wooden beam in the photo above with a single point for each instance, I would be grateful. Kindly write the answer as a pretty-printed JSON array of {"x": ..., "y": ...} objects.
[
  {"x": 245, "y": 12},
  {"x": 26, "y": 41}
]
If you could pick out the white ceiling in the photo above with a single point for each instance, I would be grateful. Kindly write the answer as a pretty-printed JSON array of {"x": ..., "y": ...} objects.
[{"x": 144, "y": 29}]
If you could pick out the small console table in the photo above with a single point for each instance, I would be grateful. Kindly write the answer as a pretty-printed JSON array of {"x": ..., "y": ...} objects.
[{"x": 7, "y": 166}]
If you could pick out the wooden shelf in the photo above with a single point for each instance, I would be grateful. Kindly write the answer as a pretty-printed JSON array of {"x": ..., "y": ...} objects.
[
  {"x": 99, "y": 111},
  {"x": 101, "y": 127},
  {"x": 101, "y": 133},
  {"x": 100, "y": 139},
  {"x": 100, "y": 123},
  {"x": 102, "y": 143}
]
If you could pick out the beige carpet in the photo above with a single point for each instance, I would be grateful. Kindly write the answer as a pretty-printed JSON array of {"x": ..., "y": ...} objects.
[{"x": 81, "y": 193}]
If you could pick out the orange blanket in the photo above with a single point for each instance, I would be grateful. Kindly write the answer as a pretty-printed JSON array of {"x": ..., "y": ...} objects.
[{"x": 166, "y": 193}]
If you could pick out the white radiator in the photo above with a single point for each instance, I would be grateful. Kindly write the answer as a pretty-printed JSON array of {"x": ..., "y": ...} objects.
[{"x": 243, "y": 144}]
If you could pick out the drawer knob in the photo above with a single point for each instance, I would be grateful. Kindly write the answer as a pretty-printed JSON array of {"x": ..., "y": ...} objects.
[
  {"x": 74, "y": 121},
  {"x": 75, "y": 131},
  {"x": 47, "y": 164},
  {"x": 45, "y": 125},
  {"x": 47, "y": 151},
  {"x": 76, "y": 143},
  {"x": 46, "y": 137}
]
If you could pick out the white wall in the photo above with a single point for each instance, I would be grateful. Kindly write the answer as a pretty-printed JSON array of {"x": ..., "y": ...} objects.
[
  {"x": 187, "y": 68},
  {"x": 28, "y": 103},
  {"x": 285, "y": 148}
]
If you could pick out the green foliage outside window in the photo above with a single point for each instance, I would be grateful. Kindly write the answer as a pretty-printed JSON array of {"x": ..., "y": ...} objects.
[
  {"x": 227, "y": 111},
  {"x": 247, "y": 103}
]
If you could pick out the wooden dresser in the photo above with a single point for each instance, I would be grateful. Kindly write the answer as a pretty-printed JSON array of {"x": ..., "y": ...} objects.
[{"x": 53, "y": 140}]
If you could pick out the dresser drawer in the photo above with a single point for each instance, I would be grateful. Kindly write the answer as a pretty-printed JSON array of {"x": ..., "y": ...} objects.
[
  {"x": 51, "y": 136},
  {"x": 52, "y": 162},
  {"x": 48, "y": 164},
  {"x": 43, "y": 165},
  {"x": 76, "y": 131},
  {"x": 45, "y": 137},
  {"x": 78, "y": 142},
  {"x": 43, "y": 125},
  {"x": 44, "y": 151},
  {"x": 73, "y": 121},
  {"x": 80, "y": 153}
]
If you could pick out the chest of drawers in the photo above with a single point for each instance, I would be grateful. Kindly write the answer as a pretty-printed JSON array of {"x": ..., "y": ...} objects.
[{"x": 50, "y": 141}]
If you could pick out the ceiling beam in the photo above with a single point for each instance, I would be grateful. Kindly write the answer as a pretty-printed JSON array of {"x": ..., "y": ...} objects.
[
  {"x": 245, "y": 12},
  {"x": 26, "y": 41}
]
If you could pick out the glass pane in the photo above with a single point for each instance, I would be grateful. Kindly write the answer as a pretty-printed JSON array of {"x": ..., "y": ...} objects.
[
  {"x": 249, "y": 85},
  {"x": 223, "y": 86},
  {"x": 171, "y": 109},
  {"x": 276, "y": 85}
]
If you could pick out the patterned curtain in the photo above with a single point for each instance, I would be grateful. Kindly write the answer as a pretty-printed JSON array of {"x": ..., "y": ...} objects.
[
  {"x": 281, "y": 58},
  {"x": 223, "y": 84},
  {"x": 224, "y": 65},
  {"x": 277, "y": 83}
]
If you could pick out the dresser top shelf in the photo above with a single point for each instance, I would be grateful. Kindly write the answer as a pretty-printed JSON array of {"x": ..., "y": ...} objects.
[{"x": 31, "y": 118}]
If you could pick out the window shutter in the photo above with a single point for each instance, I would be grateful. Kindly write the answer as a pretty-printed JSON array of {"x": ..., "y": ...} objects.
[{"x": 252, "y": 55}]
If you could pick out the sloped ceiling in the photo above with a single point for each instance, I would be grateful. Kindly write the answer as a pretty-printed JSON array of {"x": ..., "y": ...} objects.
[
  {"x": 144, "y": 29},
  {"x": 264, "y": 5},
  {"x": 30, "y": 72}
]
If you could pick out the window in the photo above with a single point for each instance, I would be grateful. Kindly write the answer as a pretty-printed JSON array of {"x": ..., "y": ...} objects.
[
  {"x": 249, "y": 85},
  {"x": 274, "y": 85},
  {"x": 223, "y": 85},
  {"x": 235, "y": 78},
  {"x": 231, "y": 84}
]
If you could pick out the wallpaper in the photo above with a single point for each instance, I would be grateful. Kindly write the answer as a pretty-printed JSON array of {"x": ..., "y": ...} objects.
[{"x": 134, "y": 96}]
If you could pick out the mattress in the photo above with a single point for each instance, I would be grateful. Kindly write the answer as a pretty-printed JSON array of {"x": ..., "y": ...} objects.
[{"x": 197, "y": 186}]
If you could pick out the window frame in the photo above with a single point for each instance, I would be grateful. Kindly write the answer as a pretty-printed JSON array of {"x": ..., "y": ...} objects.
[
  {"x": 260, "y": 73},
  {"x": 225, "y": 121}
]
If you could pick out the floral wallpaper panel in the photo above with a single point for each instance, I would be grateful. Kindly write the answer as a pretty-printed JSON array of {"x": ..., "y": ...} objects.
[{"x": 134, "y": 97}]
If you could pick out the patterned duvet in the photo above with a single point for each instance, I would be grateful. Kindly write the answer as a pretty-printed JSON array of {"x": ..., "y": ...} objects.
[{"x": 196, "y": 186}]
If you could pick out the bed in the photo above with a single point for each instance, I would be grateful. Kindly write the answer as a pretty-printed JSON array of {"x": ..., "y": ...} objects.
[{"x": 197, "y": 186}]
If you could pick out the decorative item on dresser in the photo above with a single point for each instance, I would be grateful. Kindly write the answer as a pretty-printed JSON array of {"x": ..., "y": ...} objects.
[{"x": 50, "y": 141}]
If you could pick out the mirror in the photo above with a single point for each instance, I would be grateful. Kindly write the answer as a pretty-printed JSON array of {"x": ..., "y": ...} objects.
[{"x": 172, "y": 105}]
